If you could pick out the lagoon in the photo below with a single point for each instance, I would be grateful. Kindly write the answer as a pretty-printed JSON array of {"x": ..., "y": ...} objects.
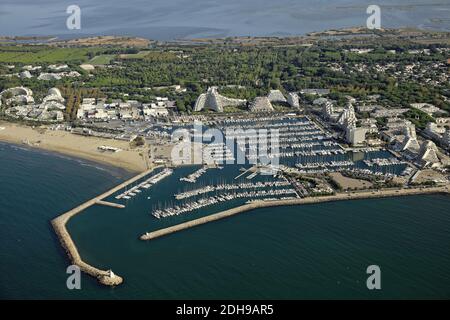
[{"x": 175, "y": 19}]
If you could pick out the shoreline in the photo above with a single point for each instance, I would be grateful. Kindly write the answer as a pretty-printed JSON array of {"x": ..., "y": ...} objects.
[
  {"x": 77, "y": 146},
  {"x": 118, "y": 171},
  {"x": 355, "y": 28}
]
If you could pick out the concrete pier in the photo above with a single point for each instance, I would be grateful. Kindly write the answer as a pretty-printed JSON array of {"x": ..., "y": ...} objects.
[
  {"x": 110, "y": 204},
  {"x": 243, "y": 173},
  {"x": 264, "y": 204},
  {"x": 106, "y": 277}
]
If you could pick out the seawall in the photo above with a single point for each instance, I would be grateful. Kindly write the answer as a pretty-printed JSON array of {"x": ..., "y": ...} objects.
[
  {"x": 59, "y": 225},
  {"x": 264, "y": 204}
]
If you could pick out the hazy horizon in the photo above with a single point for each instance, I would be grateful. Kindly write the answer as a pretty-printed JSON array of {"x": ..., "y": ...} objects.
[{"x": 169, "y": 19}]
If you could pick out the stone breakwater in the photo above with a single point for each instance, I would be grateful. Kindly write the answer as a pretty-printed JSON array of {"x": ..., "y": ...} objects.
[
  {"x": 264, "y": 204},
  {"x": 105, "y": 277}
]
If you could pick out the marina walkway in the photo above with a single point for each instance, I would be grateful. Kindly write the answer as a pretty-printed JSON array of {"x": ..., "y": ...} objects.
[{"x": 110, "y": 204}]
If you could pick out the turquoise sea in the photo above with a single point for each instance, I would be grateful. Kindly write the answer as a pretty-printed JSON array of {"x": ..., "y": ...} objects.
[{"x": 304, "y": 252}]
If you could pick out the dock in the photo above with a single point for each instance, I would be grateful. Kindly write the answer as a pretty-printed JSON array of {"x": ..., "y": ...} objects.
[
  {"x": 245, "y": 172},
  {"x": 110, "y": 204},
  {"x": 254, "y": 174},
  {"x": 128, "y": 194},
  {"x": 106, "y": 277}
]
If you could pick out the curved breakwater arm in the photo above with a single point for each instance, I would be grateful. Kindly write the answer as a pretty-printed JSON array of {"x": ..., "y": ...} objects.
[{"x": 59, "y": 225}]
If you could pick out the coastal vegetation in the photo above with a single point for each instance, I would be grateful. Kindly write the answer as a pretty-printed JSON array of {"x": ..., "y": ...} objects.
[
  {"x": 386, "y": 68},
  {"x": 418, "y": 117},
  {"x": 137, "y": 142}
]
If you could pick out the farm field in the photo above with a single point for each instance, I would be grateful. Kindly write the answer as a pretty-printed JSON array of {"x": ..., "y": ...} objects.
[
  {"x": 139, "y": 55},
  {"x": 42, "y": 54},
  {"x": 102, "y": 59}
]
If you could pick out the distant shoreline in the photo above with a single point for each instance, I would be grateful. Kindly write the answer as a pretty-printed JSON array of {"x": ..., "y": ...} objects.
[{"x": 139, "y": 40}]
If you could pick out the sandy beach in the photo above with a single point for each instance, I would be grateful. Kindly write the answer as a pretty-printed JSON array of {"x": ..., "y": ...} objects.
[{"x": 135, "y": 160}]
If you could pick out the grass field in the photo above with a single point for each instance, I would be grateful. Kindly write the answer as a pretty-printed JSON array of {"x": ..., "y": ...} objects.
[
  {"x": 102, "y": 59},
  {"x": 42, "y": 54},
  {"x": 150, "y": 55}
]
